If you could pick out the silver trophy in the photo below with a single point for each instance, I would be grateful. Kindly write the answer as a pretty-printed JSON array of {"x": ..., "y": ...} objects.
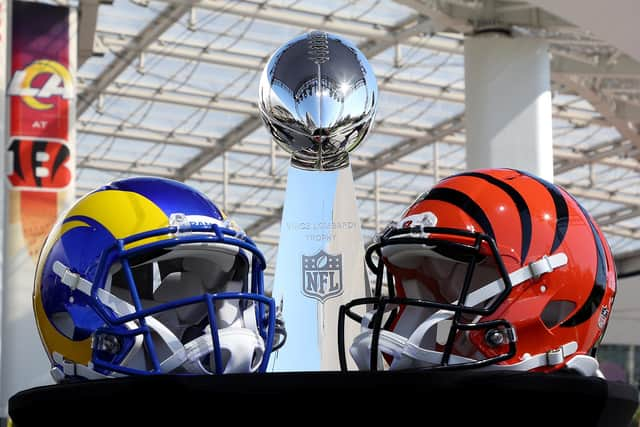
[{"x": 318, "y": 98}]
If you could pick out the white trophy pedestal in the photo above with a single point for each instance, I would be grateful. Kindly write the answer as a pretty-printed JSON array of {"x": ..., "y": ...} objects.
[{"x": 320, "y": 266}]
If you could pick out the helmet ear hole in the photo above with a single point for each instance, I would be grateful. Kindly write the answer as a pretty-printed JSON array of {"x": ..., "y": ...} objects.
[
  {"x": 64, "y": 323},
  {"x": 556, "y": 311}
]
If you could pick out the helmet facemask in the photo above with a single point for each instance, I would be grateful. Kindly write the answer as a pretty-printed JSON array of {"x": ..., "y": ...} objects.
[
  {"x": 439, "y": 284},
  {"x": 192, "y": 304}
]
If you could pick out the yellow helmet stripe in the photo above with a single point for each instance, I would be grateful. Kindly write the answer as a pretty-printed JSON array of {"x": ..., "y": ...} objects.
[
  {"x": 105, "y": 207},
  {"x": 100, "y": 207}
]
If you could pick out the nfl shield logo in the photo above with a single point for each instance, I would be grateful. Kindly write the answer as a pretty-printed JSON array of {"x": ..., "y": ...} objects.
[{"x": 322, "y": 276}]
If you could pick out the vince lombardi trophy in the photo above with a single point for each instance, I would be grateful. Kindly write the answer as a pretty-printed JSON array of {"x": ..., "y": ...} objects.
[{"x": 318, "y": 98}]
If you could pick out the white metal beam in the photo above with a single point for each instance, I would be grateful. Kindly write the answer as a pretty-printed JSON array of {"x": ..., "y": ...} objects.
[
  {"x": 469, "y": 16},
  {"x": 403, "y": 148},
  {"x": 446, "y": 21},
  {"x": 306, "y": 17},
  {"x": 199, "y": 140},
  {"x": 617, "y": 147},
  {"x": 629, "y": 233},
  {"x": 184, "y": 96},
  {"x": 603, "y": 105},
  {"x": 245, "y": 61},
  {"x": 599, "y": 194},
  {"x": 87, "y": 19},
  {"x": 254, "y": 181},
  {"x": 151, "y": 32},
  {"x": 185, "y": 49},
  {"x": 618, "y": 215},
  {"x": 395, "y": 36},
  {"x": 239, "y": 132},
  {"x": 143, "y": 134},
  {"x": 569, "y": 159},
  {"x": 623, "y": 67},
  {"x": 253, "y": 146}
]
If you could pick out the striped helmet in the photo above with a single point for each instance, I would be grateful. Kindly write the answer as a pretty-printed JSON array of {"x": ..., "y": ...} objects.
[{"x": 491, "y": 268}]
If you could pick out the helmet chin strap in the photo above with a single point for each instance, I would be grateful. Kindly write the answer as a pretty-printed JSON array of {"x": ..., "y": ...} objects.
[
  {"x": 244, "y": 346},
  {"x": 408, "y": 353},
  {"x": 404, "y": 350},
  {"x": 237, "y": 337}
]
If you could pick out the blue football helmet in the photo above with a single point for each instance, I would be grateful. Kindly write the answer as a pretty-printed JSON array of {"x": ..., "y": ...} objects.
[{"x": 147, "y": 276}]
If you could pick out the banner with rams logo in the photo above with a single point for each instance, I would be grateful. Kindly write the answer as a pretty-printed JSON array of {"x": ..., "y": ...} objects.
[{"x": 39, "y": 169}]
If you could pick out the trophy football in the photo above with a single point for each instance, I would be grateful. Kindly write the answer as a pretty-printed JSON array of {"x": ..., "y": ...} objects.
[{"x": 318, "y": 98}]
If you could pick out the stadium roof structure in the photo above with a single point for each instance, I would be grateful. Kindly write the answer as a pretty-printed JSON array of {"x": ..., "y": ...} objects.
[{"x": 169, "y": 88}]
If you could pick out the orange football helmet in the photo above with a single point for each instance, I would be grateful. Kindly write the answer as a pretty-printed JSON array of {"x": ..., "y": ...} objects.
[{"x": 490, "y": 268}]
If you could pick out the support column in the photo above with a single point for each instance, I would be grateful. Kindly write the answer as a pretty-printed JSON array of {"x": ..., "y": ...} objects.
[
  {"x": 508, "y": 104},
  {"x": 39, "y": 175}
]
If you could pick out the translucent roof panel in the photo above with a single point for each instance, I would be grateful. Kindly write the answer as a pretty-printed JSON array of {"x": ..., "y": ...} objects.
[{"x": 183, "y": 104}]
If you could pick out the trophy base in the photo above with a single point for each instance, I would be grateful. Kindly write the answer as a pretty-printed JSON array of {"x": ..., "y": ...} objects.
[
  {"x": 457, "y": 398},
  {"x": 319, "y": 267}
]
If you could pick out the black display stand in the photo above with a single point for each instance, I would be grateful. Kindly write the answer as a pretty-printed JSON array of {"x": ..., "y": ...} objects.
[{"x": 455, "y": 398}]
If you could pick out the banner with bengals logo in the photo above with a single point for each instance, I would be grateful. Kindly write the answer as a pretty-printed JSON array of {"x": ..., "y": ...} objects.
[
  {"x": 41, "y": 93},
  {"x": 39, "y": 173}
]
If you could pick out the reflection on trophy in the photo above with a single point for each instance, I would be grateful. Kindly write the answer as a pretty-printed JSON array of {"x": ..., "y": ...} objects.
[{"x": 318, "y": 97}]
